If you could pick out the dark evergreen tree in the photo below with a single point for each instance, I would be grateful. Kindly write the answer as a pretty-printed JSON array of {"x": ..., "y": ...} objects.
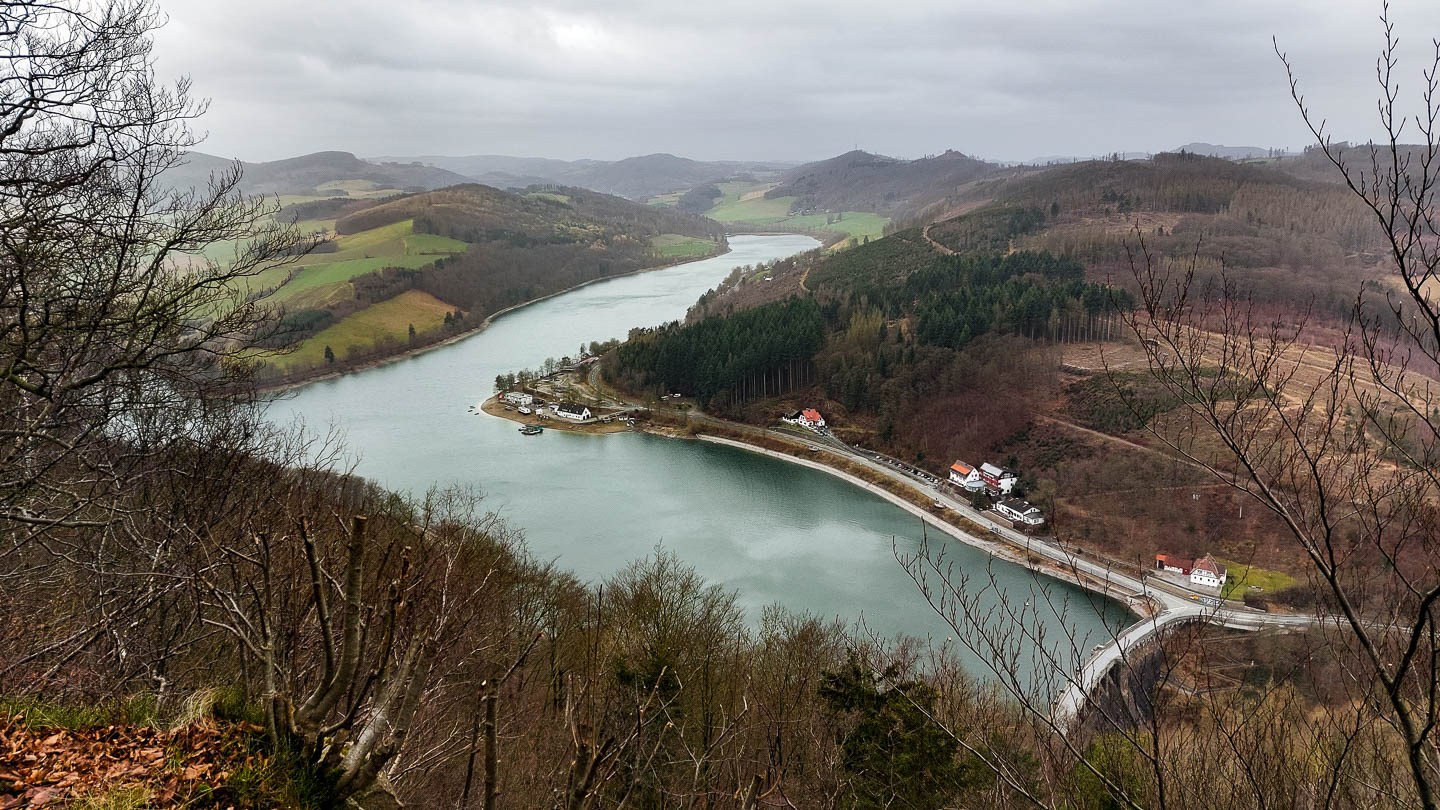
[{"x": 895, "y": 754}]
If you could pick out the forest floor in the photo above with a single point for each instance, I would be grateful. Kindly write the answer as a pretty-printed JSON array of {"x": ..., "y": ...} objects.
[{"x": 118, "y": 764}]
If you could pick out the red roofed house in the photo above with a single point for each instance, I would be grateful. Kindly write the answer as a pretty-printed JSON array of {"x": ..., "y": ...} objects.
[
  {"x": 966, "y": 476},
  {"x": 811, "y": 418},
  {"x": 1208, "y": 572},
  {"x": 1204, "y": 571}
]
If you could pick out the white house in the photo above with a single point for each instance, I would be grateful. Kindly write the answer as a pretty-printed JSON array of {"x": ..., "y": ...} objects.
[
  {"x": 1020, "y": 511},
  {"x": 998, "y": 478},
  {"x": 808, "y": 418},
  {"x": 964, "y": 475},
  {"x": 566, "y": 410},
  {"x": 1207, "y": 572},
  {"x": 812, "y": 419},
  {"x": 518, "y": 398}
]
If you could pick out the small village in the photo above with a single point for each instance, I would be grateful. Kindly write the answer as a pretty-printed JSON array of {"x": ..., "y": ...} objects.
[{"x": 996, "y": 485}]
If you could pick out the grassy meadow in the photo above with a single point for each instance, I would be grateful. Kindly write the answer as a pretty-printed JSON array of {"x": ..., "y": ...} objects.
[
  {"x": 1240, "y": 578},
  {"x": 676, "y": 246},
  {"x": 744, "y": 204},
  {"x": 323, "y": 276},
  {"x": 360, "y": 330}
]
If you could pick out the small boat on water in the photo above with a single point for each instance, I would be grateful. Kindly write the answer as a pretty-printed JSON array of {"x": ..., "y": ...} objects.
[{"x": 531, "y": 430}]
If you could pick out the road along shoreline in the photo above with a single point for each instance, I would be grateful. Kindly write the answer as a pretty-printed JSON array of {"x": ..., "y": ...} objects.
[
  {"x": 1137, "y": 602},
  {"x": 1004, "y": 551}
]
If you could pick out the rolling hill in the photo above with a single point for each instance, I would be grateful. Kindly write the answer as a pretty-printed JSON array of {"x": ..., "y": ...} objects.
[
  {"x": 860, "y": 181},
  {"x": 405, "y": 272},
  {"x": 322, "y": 174},
  {"x": 636, "y": 178},
  {"x": 1290, "y": 241}
]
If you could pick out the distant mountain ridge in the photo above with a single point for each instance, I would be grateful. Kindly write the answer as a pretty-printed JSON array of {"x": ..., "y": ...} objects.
[
  {"x": 309, "y": 174},
  {"x": 861, "y": 181},
  {"x": 636, "y": 178},
  {"x": 1230, "y": 152}
]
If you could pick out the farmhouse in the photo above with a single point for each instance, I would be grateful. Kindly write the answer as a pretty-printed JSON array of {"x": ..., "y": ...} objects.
[
  {"x": 809, "y": 418},
  {"x": 998, "y": 479},
  {"x": 962, "y": 474},
  {"x": 1207, "y": 572},
  {"x": 518, "y": 398},
  {"x": 1020, "y": 511},
  {"x": 566, "y": 410}
]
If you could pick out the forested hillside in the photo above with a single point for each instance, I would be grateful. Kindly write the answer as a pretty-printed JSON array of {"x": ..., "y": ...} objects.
[
  {"x": 540, "y": 214},
  {"x": 409, "y": 271},
  {"x": 1288, "y": 240},
  {"x": 860, "y": 181},
  {"x": 926, "y": 352},
  {"x": 762, "y": 351}
]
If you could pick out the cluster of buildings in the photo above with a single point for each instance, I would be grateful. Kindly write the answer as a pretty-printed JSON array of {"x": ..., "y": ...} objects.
[
  {"x": 563, "y": 410},
  {"x": 1204, "y": 571},
  {"x": 997, "y": 481}
]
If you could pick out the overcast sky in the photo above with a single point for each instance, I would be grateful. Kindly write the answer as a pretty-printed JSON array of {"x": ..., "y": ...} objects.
[{"x": 774, "y": 79}]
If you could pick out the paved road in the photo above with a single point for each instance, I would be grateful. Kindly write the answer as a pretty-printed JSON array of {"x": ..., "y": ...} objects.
[{"x": 1171, "y": 604}]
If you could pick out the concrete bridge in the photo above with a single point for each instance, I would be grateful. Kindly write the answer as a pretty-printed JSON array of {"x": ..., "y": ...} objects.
[
  {"x": 1169, "y": 606},
  {"x": 1127, "y": 649}
]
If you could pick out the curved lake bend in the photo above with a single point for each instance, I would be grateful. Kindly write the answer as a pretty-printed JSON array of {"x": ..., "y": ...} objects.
[{"x": 774, "y": 531}]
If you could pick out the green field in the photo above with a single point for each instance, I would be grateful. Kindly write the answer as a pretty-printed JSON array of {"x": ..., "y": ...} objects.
[
  {"x": 361, "y": 329},
  {"x": 757, "y": 210},
  {"x": 354, "y": 190},
  {"x": 394, "y": 245},
  {"x": 678, "y": 246},
  {"x": 1241, "y": 577},
  {"x": 665, "y": 199}
]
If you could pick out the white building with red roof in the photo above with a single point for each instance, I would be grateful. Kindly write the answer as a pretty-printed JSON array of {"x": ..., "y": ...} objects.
[
  {"x": 1206, "y": 571},
  {"x": 809, "y": 418},
  {"x": 962, "y": 474}
]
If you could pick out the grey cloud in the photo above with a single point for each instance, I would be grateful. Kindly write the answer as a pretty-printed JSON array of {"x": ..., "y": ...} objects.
[{"x": 753, "y": 79}]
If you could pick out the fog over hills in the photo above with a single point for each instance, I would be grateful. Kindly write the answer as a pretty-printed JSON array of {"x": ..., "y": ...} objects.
[
  {"x": 856, "y": 180},
  {"x": 634, "y": 177}
]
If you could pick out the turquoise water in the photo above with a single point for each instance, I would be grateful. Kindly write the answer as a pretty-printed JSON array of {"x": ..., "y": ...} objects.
[{"x": 774, "y": 531}]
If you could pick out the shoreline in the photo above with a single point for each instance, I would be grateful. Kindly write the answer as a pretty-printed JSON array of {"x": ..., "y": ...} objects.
[
  {"x": 1004, "y": 551},
  {"x": 481, "y": 327},
  {"x": 493, "y": 407}
]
